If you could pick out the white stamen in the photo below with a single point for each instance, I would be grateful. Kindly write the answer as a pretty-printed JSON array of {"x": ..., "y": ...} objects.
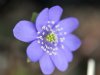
[
  {"x": 46, "y": 46},
  {"x": 43, "y": 27},
  {"x": 53, "y": 22},
  {"x": 48, "y": 21},
  {"x": 60, "y": 33},
  {"x": 65, "y": 33},
  {"x": 43, "y": 33},
  {"x": 57, "y": 26},
  {"x": 40, "y": 37},
  {"x": 38, "y": 32},
  {"x": 62, "y": 46},
  {"x": 55, "y": 44},
  {"x": 42, "y": 47},
  {"x": 49, "y": 26},
  {"x": 47, "y": 51},
  {"x": 56, "y": 48},
  {"x": 62, "y": 39},
  {"x": 50, "y": 53},
  {"x": 42, "y": 43},
  {"x": 47, "y": 29},
  {"x": 59, "y": 29},
  {"x": 38, "y": 41},
  {"x": 54, "y": 53}
]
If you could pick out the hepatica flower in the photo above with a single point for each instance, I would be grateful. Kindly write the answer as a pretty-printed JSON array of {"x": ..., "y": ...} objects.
[{"x": 51, "y": 40}]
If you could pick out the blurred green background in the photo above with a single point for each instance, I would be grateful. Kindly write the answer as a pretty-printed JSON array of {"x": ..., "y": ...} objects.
[{"x": 13, "y": 59}]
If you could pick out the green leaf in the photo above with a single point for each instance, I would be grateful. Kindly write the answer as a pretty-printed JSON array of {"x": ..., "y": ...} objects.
[{"x": 34, "y": 15}]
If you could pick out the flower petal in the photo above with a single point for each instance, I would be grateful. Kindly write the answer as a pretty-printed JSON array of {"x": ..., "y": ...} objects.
[
  {"x": 42, "y": 19},
  {"x": 25, "y": 31},
  {"x": 46, "y": 65},
  {"x": 34, "y": 51},
  {"x": 55, "y": 13},
  {"x": 68, "y": 54},
  {"x": 72, "y": 42},
  {"x": 68, "y": 25},
  {"x": 60, "y": 61}
]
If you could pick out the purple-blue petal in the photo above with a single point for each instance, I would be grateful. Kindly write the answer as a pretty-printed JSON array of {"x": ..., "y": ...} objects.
[
  {"x": 34, "y": 51},
  {"x": 68, "y": 54},
  {"x": 46, "y": 65},
  {"x": 42, "y": 19},
  {"x": 68, "y": 24},
  {"x": 60, "y": 61},
  {"x": 72, "y": 42},
  {"x": 55, "y": 13},
  {"x": 25, "y": 31}
]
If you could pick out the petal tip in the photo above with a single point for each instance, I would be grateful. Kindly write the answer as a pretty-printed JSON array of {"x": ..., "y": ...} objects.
[
  {"x": 46, "y": 65},
  {"x": 58, "y": 8},
  {"x": 22, "y": 28},
  {"x": 42, "y": 19},
  {"x": 75, "y": 20},
  {"x": 77, "y": 42}
]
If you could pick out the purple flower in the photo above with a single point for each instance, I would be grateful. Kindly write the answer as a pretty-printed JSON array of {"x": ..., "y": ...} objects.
[{"x": 51, "y": 40}]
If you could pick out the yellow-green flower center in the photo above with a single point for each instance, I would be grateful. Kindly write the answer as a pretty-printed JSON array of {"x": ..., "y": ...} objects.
[{"x": 51, "y": 37}]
